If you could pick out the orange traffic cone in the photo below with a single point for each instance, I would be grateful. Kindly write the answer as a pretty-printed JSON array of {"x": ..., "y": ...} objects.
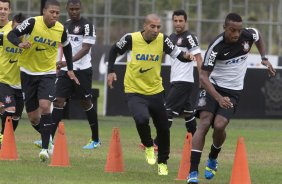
[
  {"x": 8, "y": 148},
  {"x": 184, "y": 167},
  {"x": 115, "y": 160},
  {"x": 60, "y": 156},
  {"x": 240, "y": 171}
]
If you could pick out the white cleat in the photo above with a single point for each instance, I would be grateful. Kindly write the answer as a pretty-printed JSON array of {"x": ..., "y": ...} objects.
[{"x": 43, "y": 155}]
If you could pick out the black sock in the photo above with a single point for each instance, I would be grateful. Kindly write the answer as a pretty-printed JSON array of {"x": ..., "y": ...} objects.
[
  {"x": 15, "y": 123},
  {"x": 195, "y": 160},
  {"x": 36, "y": 127},
  {"x": 93, "y": 122},
  {"x": 57, "y": 116},
  {"x": 4, "y": 117},
  {"x": 46, "y": 124},
  {"x": 214, "y": 152},
  {"x": 191, "y": 124},
  {"x": 2, "y": 129}
]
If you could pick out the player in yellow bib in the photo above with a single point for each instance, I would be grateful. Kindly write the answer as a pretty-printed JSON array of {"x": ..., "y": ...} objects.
[
  {"x": 143, "y": 84},
  {"x": 42, "y": 36},
  {"x": 11, "y": 97}
]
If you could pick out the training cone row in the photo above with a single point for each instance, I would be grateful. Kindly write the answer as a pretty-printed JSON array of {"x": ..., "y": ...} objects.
[
  {"x": 8, "y": 147},
  {"x": 60, "y": 156},
  {"x": 240, "y": 172},
  {"x": 185, "y": 161}
]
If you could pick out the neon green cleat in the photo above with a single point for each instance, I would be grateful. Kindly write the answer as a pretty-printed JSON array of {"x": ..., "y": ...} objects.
[
  {"x": 150, "y": 155},
  {"x": 162, "y": 169}
]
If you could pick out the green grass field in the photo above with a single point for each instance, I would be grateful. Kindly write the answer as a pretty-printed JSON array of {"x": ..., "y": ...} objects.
[{"x": 262, "y": 139}]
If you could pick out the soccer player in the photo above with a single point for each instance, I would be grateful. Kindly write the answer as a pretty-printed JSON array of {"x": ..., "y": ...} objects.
[
  {"x": 81, "y": 34},
  {"x": 10, "y": 87},
  {"x": 43, "y": 34},
  {"x": 222, "y": 79},
  {"x": 143, "y": 84},
  {"x": 178, "y": 102}
]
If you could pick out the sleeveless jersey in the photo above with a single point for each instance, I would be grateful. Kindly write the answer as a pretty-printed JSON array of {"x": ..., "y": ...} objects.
[
  {"x": 10, "y": 71},
  {"x": 144, "y": 66},
  {"x": 41, "y": 57}
]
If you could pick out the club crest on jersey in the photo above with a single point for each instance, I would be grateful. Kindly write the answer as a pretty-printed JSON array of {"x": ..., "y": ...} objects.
[
  {"x": 179, "y": 41},
  {"x": 246, "y": 46},
  {"x": 8, "y": 99},
  {"x": 76, "y": 29}
]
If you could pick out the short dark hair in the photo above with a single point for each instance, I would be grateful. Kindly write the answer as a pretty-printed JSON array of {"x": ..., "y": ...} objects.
[
  {"x": 180, "y": 12},
  {"x": 51, "y": 2},
  {"x": 234, "y": 17},
  {"x": 6, "y": 1},
  {"x": 19, "y": 18},
  {"x": 74, "y": 2}
]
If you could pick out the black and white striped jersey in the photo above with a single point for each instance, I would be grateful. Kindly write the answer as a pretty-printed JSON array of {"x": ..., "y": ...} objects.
[
  {"x": 187, "y": 42},
  {"x": 80, "y": 32},
  {"x": 227, "y": 61}
]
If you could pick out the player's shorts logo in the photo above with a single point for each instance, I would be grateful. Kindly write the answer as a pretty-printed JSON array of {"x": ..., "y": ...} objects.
[{"x": 8, "y": 99}]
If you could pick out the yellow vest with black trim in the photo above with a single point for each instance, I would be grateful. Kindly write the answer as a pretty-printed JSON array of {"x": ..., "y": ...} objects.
[
  {"x": 143, "y": 70},
  {"x": 10, "y": 71},
  {"x": 42, "y": 55}
]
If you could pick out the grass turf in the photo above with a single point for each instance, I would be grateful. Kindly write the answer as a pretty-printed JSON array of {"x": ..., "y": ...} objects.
[{"x": 262, "y": 140}]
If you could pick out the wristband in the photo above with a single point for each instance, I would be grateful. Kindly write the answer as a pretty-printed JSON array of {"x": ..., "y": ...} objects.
[{"x": 264, "y": 58}]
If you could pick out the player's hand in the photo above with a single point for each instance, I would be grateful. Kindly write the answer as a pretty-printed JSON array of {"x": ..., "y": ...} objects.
[
  {"x": 61, "y": 64},
  {"x": 189, "y": 56},
  {"x": 110, "y": 78},
  {"x": 25, "y": 45},
  {"x": 225, "y": 102},
  {"x": 271, "y": 70},
  {"x": 73, "y": 77}
]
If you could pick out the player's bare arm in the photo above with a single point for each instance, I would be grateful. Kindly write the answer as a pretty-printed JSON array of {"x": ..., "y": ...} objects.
[
  {"x": 264, "y": 60},
  {"x": 111, "y": 78}
]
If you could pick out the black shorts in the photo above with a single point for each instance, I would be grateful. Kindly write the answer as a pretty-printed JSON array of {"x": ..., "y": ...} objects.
[
  {"x": 65, "y": 87},
  {"x": 36, "y": 87},
  {"x": 206, "y": 102},
  {"x": 12, "y": 97},
  {"x": 178, "y": 98}
]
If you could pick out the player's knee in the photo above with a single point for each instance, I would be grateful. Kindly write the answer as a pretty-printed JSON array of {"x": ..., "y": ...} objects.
[
  {"x": 220, "y": 126},
  {"x": 34, "y": 120},
  {"x": 86, "y": 104},
  {"x": 141, "y": 119},
  {"x": 59, "y": 103},
  {"x": 11, "y": 109}
]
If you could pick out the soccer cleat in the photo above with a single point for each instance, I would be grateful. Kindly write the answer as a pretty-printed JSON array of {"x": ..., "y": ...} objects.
[
  {"x": 51, "y": 148},
  {"x": 43, "y": 155},
  {"x": 142, "y": 146},
  {"x": 150, "y": 155},
  {"x": 92, "y": 145},
  {"x": 38, "y": 144},
  {"x": 162, "y": 169},
  {"x": 211, "y": 168},
  {"x": 193, "y": 178}
]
